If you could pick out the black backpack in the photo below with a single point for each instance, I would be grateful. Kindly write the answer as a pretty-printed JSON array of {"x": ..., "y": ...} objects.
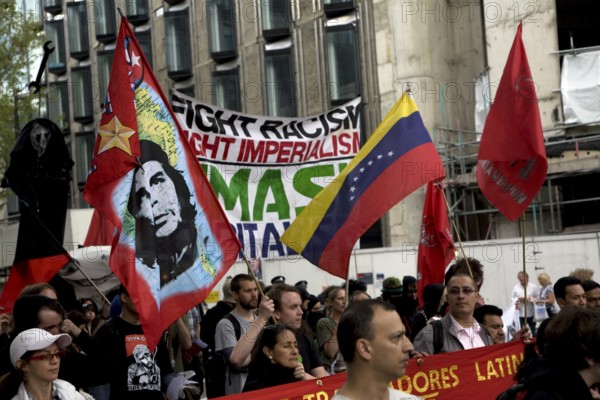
[
  {"x": 438, "y": 336},
  {"x": 215, "y": 365}
]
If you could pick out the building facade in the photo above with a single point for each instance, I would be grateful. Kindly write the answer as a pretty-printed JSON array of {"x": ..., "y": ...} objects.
[{"x": 301, "y": 57}]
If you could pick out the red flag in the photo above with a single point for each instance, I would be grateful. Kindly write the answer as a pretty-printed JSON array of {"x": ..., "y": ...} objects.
[
  {"x": 436, "y": 248},
  {"x": 39, "y": 173},
  {"x": 172, "y": 240},
  {"x": 512, "y": 163},
  {"x": 100, "y": 232}
]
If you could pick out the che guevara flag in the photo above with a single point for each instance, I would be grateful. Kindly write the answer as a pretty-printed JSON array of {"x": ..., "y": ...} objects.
[
  {"x": 512, "y": 166},
  {"x": 39, "y": 174},
  {"x": 398, "y": 158},
  {"x": 436, "y": 248},
  {"x": 172, "y": 240}
]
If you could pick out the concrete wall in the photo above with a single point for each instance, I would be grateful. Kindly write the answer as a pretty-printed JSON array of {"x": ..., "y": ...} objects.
[{"x": 435, "y": 48}]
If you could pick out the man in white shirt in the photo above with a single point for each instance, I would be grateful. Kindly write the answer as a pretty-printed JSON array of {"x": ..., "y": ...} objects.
[
  {"x": 518, "y": 295},
  {"x": 374, "y": 345}
]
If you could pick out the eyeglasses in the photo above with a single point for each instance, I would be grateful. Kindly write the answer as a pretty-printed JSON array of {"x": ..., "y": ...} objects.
[
  {"x": 455, "y": 291},
  {"x": 49, "y": 356}
]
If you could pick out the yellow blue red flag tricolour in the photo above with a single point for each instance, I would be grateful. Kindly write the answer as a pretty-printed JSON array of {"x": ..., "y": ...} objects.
[{"x": 398, "y": 158}]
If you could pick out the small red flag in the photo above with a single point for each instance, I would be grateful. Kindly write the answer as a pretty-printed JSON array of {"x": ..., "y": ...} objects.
[
  {"x": 436, "y": 248},
  {"x": 512, "y": 162},
  {"x": 100, "y": 232}
]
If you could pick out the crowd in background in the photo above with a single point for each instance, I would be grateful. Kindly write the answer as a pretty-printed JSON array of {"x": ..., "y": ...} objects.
[{"x": 261, "y": 336}]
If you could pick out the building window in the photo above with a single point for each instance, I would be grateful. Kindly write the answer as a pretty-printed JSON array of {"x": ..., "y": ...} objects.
[
  {"x": 188, "y": 90},
  {"x": 33, "y": 10},
  {"x": 337, "y": 7},
  {"x": 57, "y": 63},
  {"x": 58, "y": 104},
  {"x": 221, "y": 29},
  {"x": 342, "y": 61},
  {"x": 53, "y": 6},
  {"x": 82, "y": 94},
  {"x": 84, "y": 150},
  {"x": 105, "y": 60},
  {"x": 226, "y": 89},
  {"x": 279, "y": 83},
  {"x": 173, "y": 2},
  {"x": 137, "y": 11},
  {"x": 275, "y": 18},
  {"x": 78, "y": 30},
  {"x": 177, "y": 38},
  {"x": 144, "y": 38},
  {"x": 106, "y": 23}
]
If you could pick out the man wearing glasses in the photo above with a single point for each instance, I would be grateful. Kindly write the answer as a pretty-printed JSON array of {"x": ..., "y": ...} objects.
[
  {"x": 490, "y": 317},
  {"x": 458, "y": 330}
]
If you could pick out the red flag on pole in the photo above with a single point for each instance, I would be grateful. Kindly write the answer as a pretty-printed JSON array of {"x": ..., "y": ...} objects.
[
  {"x": 172, "y": 240},
  {"x": 512, "y": 162},
  {"x": 100, "y": 232},
  {"x": 436, "y": 248}
]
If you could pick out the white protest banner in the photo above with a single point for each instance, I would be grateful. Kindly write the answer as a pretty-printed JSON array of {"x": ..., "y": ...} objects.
[{"x": 265, "y": 170}]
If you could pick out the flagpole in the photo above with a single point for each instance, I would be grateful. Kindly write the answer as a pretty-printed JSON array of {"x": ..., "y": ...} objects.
[
  {"x": 524, "y": 269},
  {"x": 348, "y": 277},
  {"x": 462, "y": 250},
  {"x": 74, "y": 261},
  {"x": 251, "y": 273}
]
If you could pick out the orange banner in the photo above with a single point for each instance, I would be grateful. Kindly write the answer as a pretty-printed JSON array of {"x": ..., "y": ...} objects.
[{"x": 479, "y": 374}]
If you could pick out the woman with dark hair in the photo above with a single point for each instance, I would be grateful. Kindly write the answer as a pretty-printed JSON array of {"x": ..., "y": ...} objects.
[
  {"x": 434, "y": 299},
  {"x": 275, "y": 359},
  {"x": 570, "y": 359},
  {"x": 36, "y": 355}
]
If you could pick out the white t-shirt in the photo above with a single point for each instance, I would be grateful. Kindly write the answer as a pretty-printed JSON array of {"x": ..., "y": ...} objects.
[
  {"x": 532, "y": 291},
  {"x": 394, "y": 395}
]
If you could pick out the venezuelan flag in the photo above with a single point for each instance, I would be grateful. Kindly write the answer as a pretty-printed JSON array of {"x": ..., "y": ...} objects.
[{"x": 398, "y": 158}]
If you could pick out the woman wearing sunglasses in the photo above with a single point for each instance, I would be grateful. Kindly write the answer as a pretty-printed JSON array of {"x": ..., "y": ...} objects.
[{"x": 36, "y": 354}]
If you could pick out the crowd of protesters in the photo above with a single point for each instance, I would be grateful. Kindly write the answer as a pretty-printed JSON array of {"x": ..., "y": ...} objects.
[{"x": 257, "y": 337}]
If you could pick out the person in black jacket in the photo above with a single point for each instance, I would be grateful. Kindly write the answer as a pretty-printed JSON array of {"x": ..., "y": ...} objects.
[{"x": 570, "y": 363}]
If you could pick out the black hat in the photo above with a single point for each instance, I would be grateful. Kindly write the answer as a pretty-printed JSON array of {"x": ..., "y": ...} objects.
[
  {"x": 301, "y": 284},
  {"x": 304, "y": 295},
  {"x": 278, "y": 279}
]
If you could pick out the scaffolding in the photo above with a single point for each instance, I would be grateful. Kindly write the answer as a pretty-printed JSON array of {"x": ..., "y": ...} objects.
[{"x": 571, "y": 157}]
